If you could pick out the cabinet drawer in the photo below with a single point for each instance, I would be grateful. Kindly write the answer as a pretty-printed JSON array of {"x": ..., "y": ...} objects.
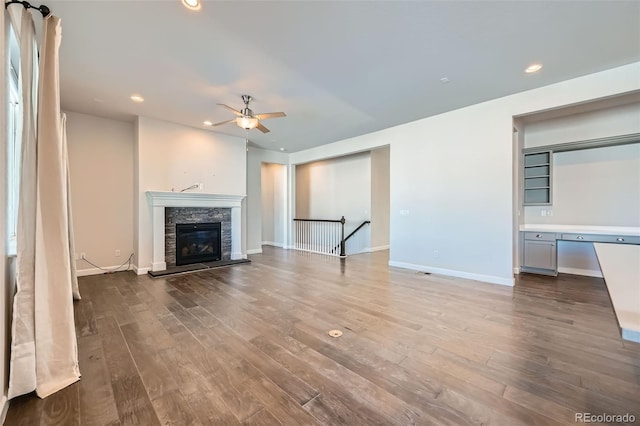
[
  {"x": 619, "y": 239},
  {"x": 540, "y": 236}
]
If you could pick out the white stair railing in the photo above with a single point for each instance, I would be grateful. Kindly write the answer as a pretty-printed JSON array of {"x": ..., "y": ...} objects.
[
  {"x": 327, "y": 236},
  {"x": 323, "y": 236}
]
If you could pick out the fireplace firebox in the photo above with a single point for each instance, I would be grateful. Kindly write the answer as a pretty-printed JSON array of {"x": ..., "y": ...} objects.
[{"x": 198, "y": 242}]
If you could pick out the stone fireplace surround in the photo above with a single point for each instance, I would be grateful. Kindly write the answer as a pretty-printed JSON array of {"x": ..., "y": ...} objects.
[
  {"x": 160, "y": 200},
  {"x": 185, "y": 215}
]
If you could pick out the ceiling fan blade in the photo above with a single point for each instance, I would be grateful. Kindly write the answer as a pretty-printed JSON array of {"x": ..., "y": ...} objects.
[
  {"x": 270, "y": 115},
  {"x": 224, "y": 122},
  {"x": 236, "y": 112},
  {"x": 262, "y": 128}
]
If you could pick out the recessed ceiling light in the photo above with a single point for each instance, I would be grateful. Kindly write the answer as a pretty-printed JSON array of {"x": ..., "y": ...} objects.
[
  {"x": 208, "y": 123},
  {"x": 192, "y": 4},
  {"x": 444, "y": 80},
  {"x": 533, "y": 68},
  {"x": 137, "y": 98},
  {"x": 282, "y": 149}
]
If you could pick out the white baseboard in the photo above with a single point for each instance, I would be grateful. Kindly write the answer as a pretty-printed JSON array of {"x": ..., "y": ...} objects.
[
  {"x": 516, "y": 270},
  {"x": 237, "y": 255},
  {"x": 254, "y": 251},
  {"x": 140, "y": 271},
  {"x": 4, "y": 403},
  {"x": 379, "y": 248},
  {"x": 271, "y": 243},
  {"x": 453, "y": 273},
  {"x": 579, "y": 271},
  {"x": 98, "y": 271}
]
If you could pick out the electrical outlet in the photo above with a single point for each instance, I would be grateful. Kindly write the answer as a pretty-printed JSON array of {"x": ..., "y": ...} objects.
[
  {"x": 436, "y": 254},
  {"x": 201, "y": 185},
  {"x": 83, "y": 255},
  {"x": 117, "y": 253}
]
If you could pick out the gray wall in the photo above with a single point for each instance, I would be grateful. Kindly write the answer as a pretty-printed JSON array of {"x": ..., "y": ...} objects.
[
  {"x": 252, "y": 208},
  {"x": 611, "y": 121},
  {"x": 274, "y": 203},
  {"x": 101, "y": 169},
  {"x": 590, "y": 187},
  {"x": 380, "y": 198},
  {"x": 332, "y": 188}
]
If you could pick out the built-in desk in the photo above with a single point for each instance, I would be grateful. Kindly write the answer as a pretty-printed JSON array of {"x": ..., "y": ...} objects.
[
  {"x": 618, "y": 251},
  {"x": 539, "y": 242}
]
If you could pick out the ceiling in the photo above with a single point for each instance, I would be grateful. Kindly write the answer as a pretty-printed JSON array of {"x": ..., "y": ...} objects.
[{"x": 337, "y": 68}]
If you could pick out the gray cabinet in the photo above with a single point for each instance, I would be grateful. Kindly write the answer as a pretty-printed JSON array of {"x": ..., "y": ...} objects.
[
  {"x": 537, "y": 178},
  {"x": 539, "y": 254}
]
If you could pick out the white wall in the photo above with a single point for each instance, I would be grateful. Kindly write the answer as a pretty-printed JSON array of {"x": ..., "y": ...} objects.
[
  {"x": 274, "y": 204},
  {"x": 101, "y": 169},
  {"x": 255, "y": 158},
  {"x": 174, "y": 156},
  {"x": 613, "y": 121},
  {"x": 451, "y": 177},
  {"x": 380, "y": 198},
  {"x": 333, "y": 188}
]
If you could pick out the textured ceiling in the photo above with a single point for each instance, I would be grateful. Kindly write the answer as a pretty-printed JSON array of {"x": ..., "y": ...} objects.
[{"x": 337, "y": 68}]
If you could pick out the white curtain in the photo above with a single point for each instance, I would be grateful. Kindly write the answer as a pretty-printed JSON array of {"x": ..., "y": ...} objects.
[{"x": 43, "y": 351}]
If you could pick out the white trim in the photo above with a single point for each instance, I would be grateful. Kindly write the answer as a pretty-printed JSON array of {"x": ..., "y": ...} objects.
[
  {"x": 458, "y": 274},
  {"x": 98, "y": 271},
  {"x": 159, "y": 266},
  {"x": 583, "y": 229},
  {"x": 159, "y": 200},
  {"x": 193, "y": 199},
  {"x": 140, "y": 271},
  {"x": 4, "y": 403},
  {"x": 271, "y": 243},
  {"x": 583, "y": 272},
  {"x": 516, "y": 270},
  {"x": 379, "y": 248},
  {"x": 254, "y": 251}
]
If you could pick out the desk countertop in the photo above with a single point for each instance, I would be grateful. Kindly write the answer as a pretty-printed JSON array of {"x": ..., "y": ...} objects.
[{"x": 583, "y": 229}]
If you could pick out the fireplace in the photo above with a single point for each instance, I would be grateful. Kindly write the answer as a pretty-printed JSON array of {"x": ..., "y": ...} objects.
[
  {"x": 198, "y": 242},
  {"x": 190, "y": 207}
]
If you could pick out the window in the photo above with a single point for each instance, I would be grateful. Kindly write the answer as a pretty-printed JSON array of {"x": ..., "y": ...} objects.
[{"x": 14, "y": 145}]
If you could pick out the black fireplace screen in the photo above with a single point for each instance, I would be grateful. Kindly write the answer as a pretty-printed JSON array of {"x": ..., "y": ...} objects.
[{"x": 198, "y": 242}]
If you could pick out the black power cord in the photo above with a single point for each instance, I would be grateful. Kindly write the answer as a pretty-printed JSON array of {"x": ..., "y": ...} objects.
[{"x": 110, "y": 271}]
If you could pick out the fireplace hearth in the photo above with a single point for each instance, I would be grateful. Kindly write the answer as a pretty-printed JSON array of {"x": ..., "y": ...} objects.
[{"x": 198, "y": 242}]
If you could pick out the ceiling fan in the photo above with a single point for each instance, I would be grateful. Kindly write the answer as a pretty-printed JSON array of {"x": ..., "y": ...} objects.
[{"x": 247, "y": 119}]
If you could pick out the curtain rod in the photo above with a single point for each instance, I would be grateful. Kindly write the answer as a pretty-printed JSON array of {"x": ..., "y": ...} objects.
[{"x": 42, "y": 9}]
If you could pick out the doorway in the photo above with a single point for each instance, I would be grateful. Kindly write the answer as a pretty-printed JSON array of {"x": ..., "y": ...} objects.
[{"x": 274, "y": 204}]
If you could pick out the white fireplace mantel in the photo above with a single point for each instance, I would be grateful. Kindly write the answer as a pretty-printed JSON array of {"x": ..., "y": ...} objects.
[{"x": 158, "y": 200}]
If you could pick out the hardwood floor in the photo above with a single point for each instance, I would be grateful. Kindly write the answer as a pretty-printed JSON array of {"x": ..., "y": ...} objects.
[{"x": 249, "y": 345}]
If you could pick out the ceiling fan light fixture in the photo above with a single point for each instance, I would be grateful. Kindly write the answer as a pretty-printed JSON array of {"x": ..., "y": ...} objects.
[
  {"x": 247, "y": 123},
  {"x": 192, "y": 4}
]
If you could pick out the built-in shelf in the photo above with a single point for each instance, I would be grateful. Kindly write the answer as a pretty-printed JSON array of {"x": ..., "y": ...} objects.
[{"x": 537, "y": 178}]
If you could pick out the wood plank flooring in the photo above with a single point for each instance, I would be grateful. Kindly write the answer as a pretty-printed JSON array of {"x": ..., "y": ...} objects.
[{"x": 249, "y": 345}]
